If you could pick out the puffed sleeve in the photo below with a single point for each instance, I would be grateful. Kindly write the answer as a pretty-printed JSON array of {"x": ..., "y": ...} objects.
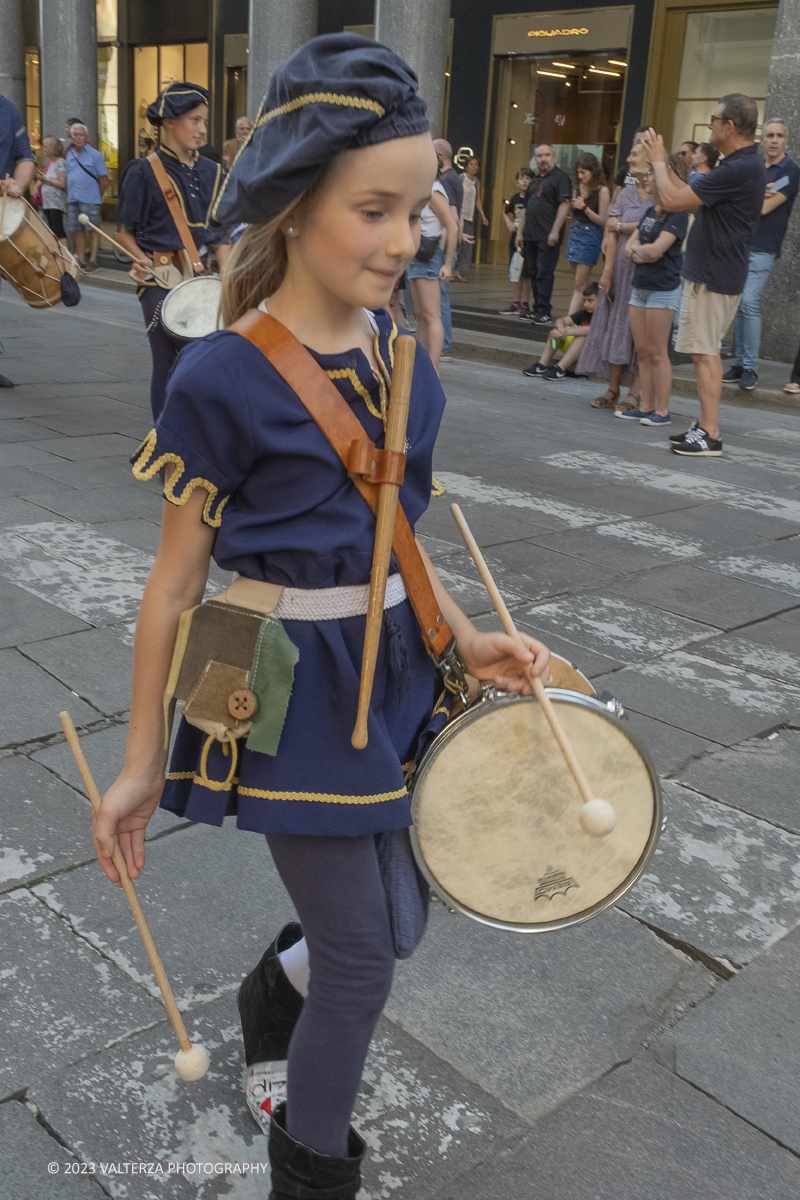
[
  {"x": 204, "y": 429},
  {"x": 132, "y": 199}
]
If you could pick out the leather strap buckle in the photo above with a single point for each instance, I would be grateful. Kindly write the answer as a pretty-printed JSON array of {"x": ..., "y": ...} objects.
[{"x": 375, "y": 466}]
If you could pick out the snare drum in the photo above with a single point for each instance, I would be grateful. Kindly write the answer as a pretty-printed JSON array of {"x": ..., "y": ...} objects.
[
  {"x": 192, "y": 309},
  {"x": 31, "y": 257},
  {"x": 496, "y": 813}
]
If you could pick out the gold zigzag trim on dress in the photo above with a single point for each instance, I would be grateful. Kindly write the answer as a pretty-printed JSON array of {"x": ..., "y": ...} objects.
[
  {"x": 358, "y": 386},
  {"x": 143, "y": 471},
  {"x": 261, "y": 794},
  {"x": 436, "y": 487}
]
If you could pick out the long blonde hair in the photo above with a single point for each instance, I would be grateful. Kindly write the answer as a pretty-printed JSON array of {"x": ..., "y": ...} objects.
[{"x": 257, "y": 265}]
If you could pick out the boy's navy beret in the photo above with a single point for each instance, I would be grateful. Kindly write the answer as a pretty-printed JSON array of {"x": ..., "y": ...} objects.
[
  {"x": 337, "y": 92},
  {"x": 175, "y": 100}
]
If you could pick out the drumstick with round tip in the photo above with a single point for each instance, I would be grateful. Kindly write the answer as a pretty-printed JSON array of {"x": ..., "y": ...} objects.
[
  {"x": 191, "y": 1062},
  {"x": 404, "y": 351},
  {"x": 596, "y": 816},
  {"x": 84, "y": 220}
]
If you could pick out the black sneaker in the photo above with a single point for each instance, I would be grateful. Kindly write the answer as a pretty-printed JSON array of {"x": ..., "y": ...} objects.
[
  {"x": 535, "y": 370},
  {"x": 677, "y": 438},
  {"x": 524, "y": 314},
  {"x": 748, "y": 380},
  {"x": 539, "y": 320},
  {"x": 700, "y": 444},
  {"x": 554, "y": 372},
  {"x": 732, "y": 375}
]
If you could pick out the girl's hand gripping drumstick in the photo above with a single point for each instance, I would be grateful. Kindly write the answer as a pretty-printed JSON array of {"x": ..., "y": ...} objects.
[
  {"x": 84, "y": 220},
  {"x": 596, "y": 816},
  {"x": 404, "y": 350},
  {"x": 191, "y": 1062}
]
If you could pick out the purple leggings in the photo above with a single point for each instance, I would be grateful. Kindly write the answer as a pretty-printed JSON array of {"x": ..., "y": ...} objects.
[{"x": 336, "y": 888}]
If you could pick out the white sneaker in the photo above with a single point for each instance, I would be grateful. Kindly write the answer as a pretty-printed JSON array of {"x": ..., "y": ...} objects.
[{"x": 265, "y": 1090}]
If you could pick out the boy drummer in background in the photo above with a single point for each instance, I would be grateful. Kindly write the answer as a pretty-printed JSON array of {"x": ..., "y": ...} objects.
[{"x": 144, "y": 224}]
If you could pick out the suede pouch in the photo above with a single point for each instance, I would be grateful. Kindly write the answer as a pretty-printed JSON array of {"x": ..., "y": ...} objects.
[{"x": 271, "y": 679}]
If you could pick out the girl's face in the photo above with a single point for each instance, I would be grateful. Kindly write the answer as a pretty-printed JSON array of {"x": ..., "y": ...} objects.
[
  {"x": 472, "y": 167},
  {"x": 362, "y": 226},
  {"x": 584, "y": 175}
]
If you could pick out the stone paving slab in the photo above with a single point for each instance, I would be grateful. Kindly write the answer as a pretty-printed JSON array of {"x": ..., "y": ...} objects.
[
  {"x": 98, "y": 504},
  {"x": 27, "y": 482},
  {"x": 96, "y": 664},
  {"x": 589, "y": 662},
  {"x": 769, "y": 648},
  {"x": 638, "y": 1134},
  {"x": 24, "y": 616},
  {"x": 721, "y": 527},
  {"x": 708, "y": 698},
  {"x": 162, "y": 1119},
  {"x": 792, "y": 616},
  {"x": 668, "y": 748},
  {"x": 174, "y": 890},
  {"x": 24, "y": 455},
  {"x": 776, "y": 566},
  {"x": 743, "y": 1046},
  {"x": 100, "y": 445},
  {"x": 37, "y": 699},
  {"x": 759, "y": 777},
  {"x": 105, "y": 753},
  {"x": 720, "y": 880},
  {"x": 123, "y": 419},
  {"x": 627, "y": 545},
  {"x": 17, "y": 429},
  {"x": 473, "y": 492},
  {"x": 692, "y": 592},
  {"x": 145, "y": 535},
  {"x": 60, "y": 1000},
  {"x": 85, "y": 474},
  {"x": 522, "y": 572},
  {"x": 617, "y": 628},
  {"x": 534, "y": 1018},
  {"x": 44, "y": 825},
  {"x": 27, "y": 1151}
]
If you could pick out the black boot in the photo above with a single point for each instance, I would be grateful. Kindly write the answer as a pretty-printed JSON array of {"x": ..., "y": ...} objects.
[
  {"x": 301, "y": 1174},
  {"x": 268, "y": 1004}
]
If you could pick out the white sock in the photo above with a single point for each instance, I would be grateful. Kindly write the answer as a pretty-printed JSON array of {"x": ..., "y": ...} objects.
[{"x": 295, "y": 965}]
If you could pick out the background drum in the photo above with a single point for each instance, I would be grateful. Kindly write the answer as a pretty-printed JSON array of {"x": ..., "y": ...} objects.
[
  {"x": 31, "y": 257},
  {"x": 192, "y": 309},
  {"x": 496, "y": 813}
]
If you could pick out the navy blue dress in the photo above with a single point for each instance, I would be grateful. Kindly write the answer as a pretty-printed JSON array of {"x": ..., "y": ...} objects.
[{"x": 287, "y": 513}]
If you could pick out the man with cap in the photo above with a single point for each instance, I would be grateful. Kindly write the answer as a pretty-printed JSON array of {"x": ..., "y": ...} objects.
[
  {"x": 144, "y": 224},
  {"x": 17, "y": 163}
]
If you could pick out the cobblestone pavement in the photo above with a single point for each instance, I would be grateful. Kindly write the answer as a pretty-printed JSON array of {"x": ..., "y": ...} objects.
[{"x": 650, "y": 1054}]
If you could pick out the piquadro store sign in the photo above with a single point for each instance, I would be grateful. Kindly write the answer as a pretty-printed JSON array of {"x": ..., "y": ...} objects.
[{"x": 580, "y": 29}]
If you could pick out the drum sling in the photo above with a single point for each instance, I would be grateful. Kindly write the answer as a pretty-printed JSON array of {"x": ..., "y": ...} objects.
[{"x": 176, "y": 212}]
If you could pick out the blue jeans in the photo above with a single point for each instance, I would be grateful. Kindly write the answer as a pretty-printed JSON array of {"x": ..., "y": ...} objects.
[
  {"x": 447, "y": 316},
  {"x": 747, "y": 322}
]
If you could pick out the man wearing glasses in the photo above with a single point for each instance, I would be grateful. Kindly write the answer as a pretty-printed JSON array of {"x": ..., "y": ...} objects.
[{"x": 727, "y": 202}]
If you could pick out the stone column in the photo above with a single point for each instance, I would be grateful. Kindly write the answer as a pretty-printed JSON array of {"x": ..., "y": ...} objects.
[
  {"x": 68, "y": 63},
  {"x": 418, "y": 30},
  {"x": 12, "y": 53},
  {"x": 277, "y": 29},
  {"x": 780, "y": 300}
]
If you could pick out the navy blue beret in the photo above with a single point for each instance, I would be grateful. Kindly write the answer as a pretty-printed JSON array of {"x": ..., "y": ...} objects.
[
  {"x": 337, "y": 92},
  {"x": 175, "y": 100}
]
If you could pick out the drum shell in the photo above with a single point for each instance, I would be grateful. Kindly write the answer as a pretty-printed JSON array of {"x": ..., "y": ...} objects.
[
  {"x": 179, "y": 294},
  {"x": 452, "y": 732},
  {"x": 33, "y": 260}
]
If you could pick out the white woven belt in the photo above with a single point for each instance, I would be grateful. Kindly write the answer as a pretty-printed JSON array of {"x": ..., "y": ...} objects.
[{"x": 336, "y": 603}]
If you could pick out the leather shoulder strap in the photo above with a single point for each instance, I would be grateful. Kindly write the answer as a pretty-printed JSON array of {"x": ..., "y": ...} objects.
[
  {"x": 176, "y": 212},
  {"x": 325, "y": 403}
]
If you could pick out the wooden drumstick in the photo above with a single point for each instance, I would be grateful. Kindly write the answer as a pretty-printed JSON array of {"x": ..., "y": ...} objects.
[
  {"x": 405, "y": 349},
  {"x": 596, "y": 816},
  {"x": 191, "y": 1062},
  {"x": 84, "y": 220}
]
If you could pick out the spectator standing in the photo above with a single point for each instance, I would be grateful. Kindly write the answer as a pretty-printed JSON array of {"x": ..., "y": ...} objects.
[
  {"x": 469, "y": 206},
  {"x": 609, "y": 350},
  {"x": 242, "y": 129},
  {"x": 704, "y": 159},
  {"x": 430, "y": 266},
  {"x": 687, "y": 150},
  {"x": 454, "y": 190},
  {"x": 513, "y": 215},
  {"x": 623, "y": 177},
  {"x": 783, "y": 180},
  {"x": 655, "y": 251},
  {"x": 547, "y": 206},
  {"x": 67, "y": 138},
  {"x": 87, "y": 179},
  {"x": 17, "y": 163},
  {"x": 54, "y": 187},
  {"x": 589, "y": 210},
  {"x": 727, "y": 202}
]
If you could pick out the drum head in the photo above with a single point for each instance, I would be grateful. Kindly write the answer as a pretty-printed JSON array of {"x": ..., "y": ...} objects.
[
  {"x": 496, "y": 814},
  {"x": 191, "y": 310},
  {"x": 12, "y": 214}
]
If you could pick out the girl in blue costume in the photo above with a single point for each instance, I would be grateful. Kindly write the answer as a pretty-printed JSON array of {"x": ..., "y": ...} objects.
[{"x": 332, "y": 184}]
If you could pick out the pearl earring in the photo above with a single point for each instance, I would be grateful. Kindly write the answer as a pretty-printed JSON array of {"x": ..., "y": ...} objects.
[{"x": 291, "y": 230}]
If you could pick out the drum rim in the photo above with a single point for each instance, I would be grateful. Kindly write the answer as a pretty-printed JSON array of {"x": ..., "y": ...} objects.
[
  {"x": 174, "y": 332},
  {"x": 504, "y": 700}
]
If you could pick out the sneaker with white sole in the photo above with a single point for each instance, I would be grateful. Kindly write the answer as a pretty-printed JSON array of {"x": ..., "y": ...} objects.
[
  {"x": 748, "y": 380},
  {"x": 699, "y": 444},
  {"x": 655, "y": 418},
  {"x": 630, "y": 414},
  {"x": 733, "y": 375},
  {"x": 554, "y": 372},
  {"x": 677, "y": 438},
  {"x": 535, "y": 370},
  {"x": 265, "y": 1089}
]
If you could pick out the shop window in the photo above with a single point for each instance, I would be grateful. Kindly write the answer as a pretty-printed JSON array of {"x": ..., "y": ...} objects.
[
  {"x": 108, "y": 113},
  {"x": 153, "y": 68},
  {"x": 106, "y": 20},
  {"x": 722, "y": 52},
  {"x": 33, "y": 112}
]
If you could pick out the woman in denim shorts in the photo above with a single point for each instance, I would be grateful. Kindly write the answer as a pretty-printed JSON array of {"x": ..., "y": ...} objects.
[
  {"x": 655, "y": 251},
  {"x": 424, "y": 274}
]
